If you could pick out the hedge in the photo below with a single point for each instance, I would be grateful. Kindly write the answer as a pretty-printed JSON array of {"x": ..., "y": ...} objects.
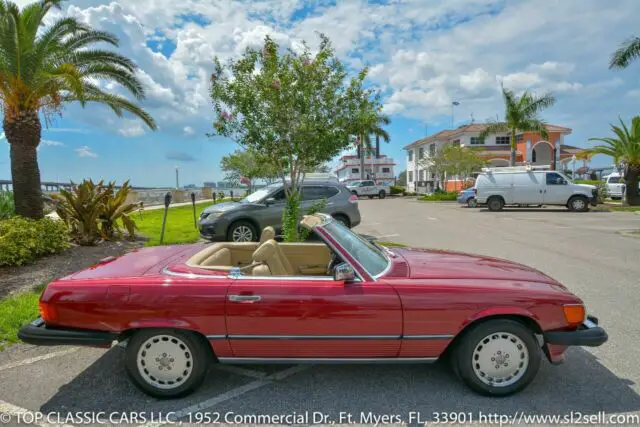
[{"x": 23, "y": 240}]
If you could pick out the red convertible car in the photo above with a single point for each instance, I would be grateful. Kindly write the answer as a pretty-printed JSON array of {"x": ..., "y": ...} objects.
[{"x": 344, "y": 299}]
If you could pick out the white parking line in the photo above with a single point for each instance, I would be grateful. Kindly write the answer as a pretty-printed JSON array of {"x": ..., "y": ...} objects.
[
  {"x": 37, "y": 359},
  {"x": 432, "y": 218},
  {"x": 236, "y": 392},
  {"x": 24, "y": 415}
]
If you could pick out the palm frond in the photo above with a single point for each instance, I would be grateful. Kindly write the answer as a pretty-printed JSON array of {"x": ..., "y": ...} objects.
[
  {"x": 493, "y": 127},
  {"x": 537, "y": 104},
  {"x": 626, "y": 53},
  {"x": 120, "y": 75}
]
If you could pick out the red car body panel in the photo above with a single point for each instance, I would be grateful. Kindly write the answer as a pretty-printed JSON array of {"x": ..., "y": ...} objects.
[{"x": 415, "y": 309}]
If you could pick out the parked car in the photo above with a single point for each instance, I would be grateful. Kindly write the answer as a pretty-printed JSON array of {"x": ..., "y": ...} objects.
[
  {"x": 369, "y": 188},
  {"x": 344, "y": 299},
  {"x": 527, "y": 186},
  {"x": 242, "y": 220},
  {"x": 468, "y": 197}
]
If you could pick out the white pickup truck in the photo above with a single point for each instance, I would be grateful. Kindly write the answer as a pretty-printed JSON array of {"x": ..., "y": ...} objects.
[{"x": 368, "y": 188}]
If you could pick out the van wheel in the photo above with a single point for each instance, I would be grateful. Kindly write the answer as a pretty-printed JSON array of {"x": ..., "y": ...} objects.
[
  {"x": 498, "y": 357},
  {"x": 578, "y": 204},
  {"x": 495, "y": 203},
  {"x": 382, "y": 194},
  {"x": 167, "y": 363}
]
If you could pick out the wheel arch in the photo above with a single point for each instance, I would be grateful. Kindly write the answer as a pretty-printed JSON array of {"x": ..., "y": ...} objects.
[
  {"x": 342, "y": 215},
  {"x": 128, "y": 333}
]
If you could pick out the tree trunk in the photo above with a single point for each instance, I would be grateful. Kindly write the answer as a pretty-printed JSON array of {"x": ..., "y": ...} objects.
[
  {"x": 632, "y": 193},
  {"x": 362, "y": 156},
  {"x": 23, "y": 135},
  {"x": 377, "y": 146},
  {"x": 512, "y": 160}
]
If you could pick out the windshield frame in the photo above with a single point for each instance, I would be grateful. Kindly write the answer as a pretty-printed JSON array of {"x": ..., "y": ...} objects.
[{"x": 347, "y": 257}]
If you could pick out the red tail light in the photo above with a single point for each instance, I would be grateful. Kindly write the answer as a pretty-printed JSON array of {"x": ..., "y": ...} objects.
[
  {"x": 48, "y": 312},
  {"x": 353, "y": 199}
]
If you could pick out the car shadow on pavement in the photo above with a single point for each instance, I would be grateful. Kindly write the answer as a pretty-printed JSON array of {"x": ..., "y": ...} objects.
[
  {"x": 582, "y": 384},
  {"x": 564, "y": 210}
]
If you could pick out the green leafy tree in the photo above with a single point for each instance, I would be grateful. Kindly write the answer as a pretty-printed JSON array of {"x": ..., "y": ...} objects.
[
  {"x": 246, "y": 164},
  {"x": 521, "y": 114},
  {"x": 295, "y": 108},
  {"x": 402, "y": 179},
  {"x": 624, "y": 148},
  {"x": 628, "y": 52},
  {"x": 452, "y": 160},
  {"x": 44, "y": 66}
]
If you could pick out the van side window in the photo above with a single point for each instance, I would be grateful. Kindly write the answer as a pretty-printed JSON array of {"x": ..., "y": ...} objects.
[{"x": 555, "y": 179}]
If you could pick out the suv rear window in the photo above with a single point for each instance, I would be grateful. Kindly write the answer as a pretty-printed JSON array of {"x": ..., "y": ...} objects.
[{"x": 318, "y": 192}]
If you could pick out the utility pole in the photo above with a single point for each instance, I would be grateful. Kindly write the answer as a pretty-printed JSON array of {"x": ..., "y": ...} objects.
[
  {"x": 453, "y": 123},
  {"x": 177, "y": 181}
]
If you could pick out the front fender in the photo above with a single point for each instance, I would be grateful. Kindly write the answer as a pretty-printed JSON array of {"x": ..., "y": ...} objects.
[{"x": 499, "y": 311}]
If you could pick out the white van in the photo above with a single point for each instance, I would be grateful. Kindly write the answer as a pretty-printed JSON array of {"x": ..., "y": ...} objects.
[
  {"x": 615, "y": 185},
  {"x": 526, "y": 186}
]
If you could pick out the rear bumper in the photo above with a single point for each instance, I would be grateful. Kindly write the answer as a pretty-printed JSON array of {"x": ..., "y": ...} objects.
[
  {"x": 37, "y": 333},
  {"x": 588, "y": 334}
]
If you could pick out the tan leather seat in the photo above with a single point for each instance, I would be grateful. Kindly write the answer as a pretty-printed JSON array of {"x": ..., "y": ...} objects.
[
  {"x": 270, "y": 254},
  {"x": 267, "y": 234}
]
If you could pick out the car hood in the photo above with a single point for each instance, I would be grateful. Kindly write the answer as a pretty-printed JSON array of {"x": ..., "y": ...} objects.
[
  {"x": 226, "y": 206},
  {"x": 439, "y": 264},
  {"x": 590, "y": 187}
]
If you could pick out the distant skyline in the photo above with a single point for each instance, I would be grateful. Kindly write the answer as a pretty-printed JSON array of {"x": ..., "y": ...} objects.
[{"x": 423, "y": 55}]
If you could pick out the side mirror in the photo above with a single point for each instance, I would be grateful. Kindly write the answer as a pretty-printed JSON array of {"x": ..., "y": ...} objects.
[
  {"x": 269, "y": 201},
  {"x": 343, "y": 273}
]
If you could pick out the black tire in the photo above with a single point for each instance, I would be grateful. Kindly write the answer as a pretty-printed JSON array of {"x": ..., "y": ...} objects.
[
  {"x": 343, "y": 219},
  {"x": 578, "y": 204},
  {"x": 468, "y": 359},
  {"x": 495, "y": 203},
  {"x": 382, "y": 194},
  {"x": 195, "y": 353},
  {"x": 242, "y": 228},
  {"x": 471, "y": 202}
]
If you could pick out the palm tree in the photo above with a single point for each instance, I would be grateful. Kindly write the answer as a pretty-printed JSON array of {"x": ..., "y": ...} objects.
[
  {"x": 626, "y": 53},
  {"x": 521, "y": 115},
  {"x": 41, "y": 69},
  {"x": 624, "y": 148},
  {"x": 366, "y": 145}
]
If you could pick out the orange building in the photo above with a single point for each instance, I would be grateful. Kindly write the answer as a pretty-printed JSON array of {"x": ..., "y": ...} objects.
[{"x": 531, "y": 148}]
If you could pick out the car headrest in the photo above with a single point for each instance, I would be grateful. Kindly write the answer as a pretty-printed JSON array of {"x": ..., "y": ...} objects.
[
  {"x": 265, "y": 251},
  {"x": 267, "y": 234},
  {"x": 310, "y": 221}
]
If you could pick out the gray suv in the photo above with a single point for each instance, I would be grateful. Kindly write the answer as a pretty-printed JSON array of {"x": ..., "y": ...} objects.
[{"x": 244, "y": 220}]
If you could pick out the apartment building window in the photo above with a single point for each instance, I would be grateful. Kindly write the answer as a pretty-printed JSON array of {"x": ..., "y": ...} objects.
[
  {"x": 456, "y": 142},
  {"x": 386, "y": 170},
  {"x": 421, "y": 153},
  {"x": 432, "y": 149},
  {"x": 410, "y": 175},
  {"x": 476, "y": 140},
  {"x": 410, "y": 155},
  {"x": 421, "y": 175},
  {"x": 519, "y": 138},
  {"x": 502, "y": 140},
  {"x": 355, "y": 170}
]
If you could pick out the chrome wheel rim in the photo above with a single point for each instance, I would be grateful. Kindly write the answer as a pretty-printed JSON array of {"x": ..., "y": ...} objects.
[
  {"x": 242, "y": 234},
  {"x": 500, "y": 359},
  {"x": 165, "y": 362},
  {"x": 578, "y": 204}
]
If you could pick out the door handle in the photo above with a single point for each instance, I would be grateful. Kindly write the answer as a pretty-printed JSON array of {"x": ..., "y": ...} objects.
[{"x": 246, "y": 299}]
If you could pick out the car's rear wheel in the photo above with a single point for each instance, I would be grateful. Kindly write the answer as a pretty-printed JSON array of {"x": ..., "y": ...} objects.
[
  {"x": 242, "y": 231},
  {"x": 472, "y": 203},
  {"x": 495, "y": 203},
  {"x": 382, "y": 194},
  {"x": 167, "y": 363},
  {"x": 497, "y": 358},
  {"x": 578, "y": 204}
]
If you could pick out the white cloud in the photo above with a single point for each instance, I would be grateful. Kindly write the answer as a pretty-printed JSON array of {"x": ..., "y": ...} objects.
[
  {"x": 635, "y": 93},
  {"x": 85, "y": 151},
  {"x": 552, "y": 67},
  {"x": 51, "y": 143},
  {"x": 132, "y": 129},
  {"x": 188, "y": 131}
]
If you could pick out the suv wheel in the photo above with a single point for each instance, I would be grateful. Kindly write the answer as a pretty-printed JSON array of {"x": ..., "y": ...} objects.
[
  {"x": 382, "y": 194},
  {"x": 495, "y": 203},
  {"x": 242, "y": 231},
  {"x": 578, "y": 204}
]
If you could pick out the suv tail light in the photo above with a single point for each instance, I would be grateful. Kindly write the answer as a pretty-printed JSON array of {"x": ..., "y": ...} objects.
[{"x": 353, "y": 199}]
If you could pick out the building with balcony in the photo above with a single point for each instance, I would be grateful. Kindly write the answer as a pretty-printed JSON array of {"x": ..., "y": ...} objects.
[
  {"x": 377, "y": 168},
  {"x": 531, "y": 148}
]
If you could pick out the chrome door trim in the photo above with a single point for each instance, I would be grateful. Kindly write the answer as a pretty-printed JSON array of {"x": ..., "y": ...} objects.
[
  {"x": 244, "y": 298},
  {"x": 314, "y": 337},
  {"x": 427, "y": 337},
  {"x": 325, "y": 360}
]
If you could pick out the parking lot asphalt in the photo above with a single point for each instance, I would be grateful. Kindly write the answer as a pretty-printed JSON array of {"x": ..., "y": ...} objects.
[{"x": 582, "y": 250}]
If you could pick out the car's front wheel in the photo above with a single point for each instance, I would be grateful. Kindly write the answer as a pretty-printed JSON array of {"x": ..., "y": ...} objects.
[
  {"x": 497, "y": 358},
  {"x": 167, "y": 363},
  {"x": 242, "y": 231}
]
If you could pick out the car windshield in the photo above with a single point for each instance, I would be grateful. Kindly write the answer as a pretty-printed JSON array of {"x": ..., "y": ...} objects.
[
  {"x": 259, "y": 195},
  {"x": 614, "y": 180},
  {"x": 370, "y": 257}
]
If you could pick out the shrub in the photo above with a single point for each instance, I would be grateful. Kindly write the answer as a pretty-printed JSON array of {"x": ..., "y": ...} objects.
[
  {"x": 22, "y": 240},
  {"x": 588, "y": 181},
  {"x": 7, "y": 208},
  {"x": 116, "y": 210},
  {"x": 396, "y": 189},
  {"x": 440, "y": 197}
]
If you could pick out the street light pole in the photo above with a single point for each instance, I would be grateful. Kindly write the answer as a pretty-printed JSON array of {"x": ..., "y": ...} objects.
[
  {"x": 573, "y": 167},
  {"x": 453, "y": 104},
  {"x": 177, "y": 181}
]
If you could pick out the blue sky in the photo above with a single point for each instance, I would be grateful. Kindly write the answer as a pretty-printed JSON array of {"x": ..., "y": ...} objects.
[{"x": 422, "y": 54}]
